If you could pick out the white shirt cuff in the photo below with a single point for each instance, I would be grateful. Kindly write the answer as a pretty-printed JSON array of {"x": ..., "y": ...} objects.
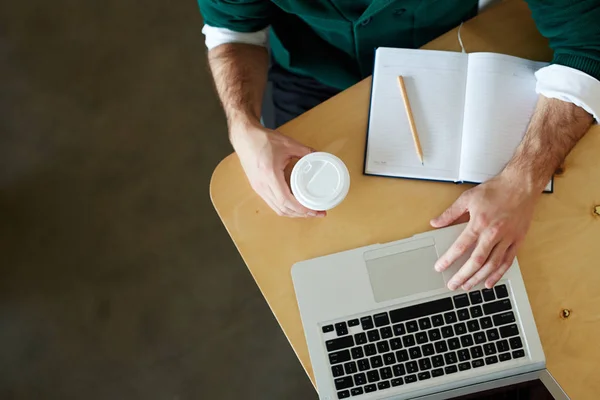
[
  {"x": 570, "y": 85},
  {"x": 218, "y": 36}
]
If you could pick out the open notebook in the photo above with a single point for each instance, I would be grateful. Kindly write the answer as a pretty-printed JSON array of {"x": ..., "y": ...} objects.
[{"x": 471, "y": 112}]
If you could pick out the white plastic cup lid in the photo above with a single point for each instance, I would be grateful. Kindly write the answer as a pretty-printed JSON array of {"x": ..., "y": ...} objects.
[{"x": 320, "y": 181}]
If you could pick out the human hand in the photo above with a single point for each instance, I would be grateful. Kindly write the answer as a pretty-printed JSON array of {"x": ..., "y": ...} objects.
[
  {"x": 500, "y": 213},
  {"x": 264, "y": 154}
]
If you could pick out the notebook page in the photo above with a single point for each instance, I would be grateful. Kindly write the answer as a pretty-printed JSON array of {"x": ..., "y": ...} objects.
[
  {"x": 499, "y": 102},
  {"x": 435, "y": 82}
]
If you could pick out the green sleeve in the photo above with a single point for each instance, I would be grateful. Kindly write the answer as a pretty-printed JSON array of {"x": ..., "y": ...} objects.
[
  {"x": 573, "y": 28},
  {"x": 237, "y": 15}
]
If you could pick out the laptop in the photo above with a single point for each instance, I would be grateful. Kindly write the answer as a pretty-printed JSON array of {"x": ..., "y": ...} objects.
[{"x": 381, "y": 324}]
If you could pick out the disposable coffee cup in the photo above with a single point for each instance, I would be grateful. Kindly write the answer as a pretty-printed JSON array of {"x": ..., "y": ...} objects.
[{"x": 320, "y": 181}]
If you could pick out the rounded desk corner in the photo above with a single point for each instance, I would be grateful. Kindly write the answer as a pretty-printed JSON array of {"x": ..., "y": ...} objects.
[{"x": 218, "y": 172}]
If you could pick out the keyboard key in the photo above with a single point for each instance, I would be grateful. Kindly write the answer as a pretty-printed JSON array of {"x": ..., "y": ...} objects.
[
  {"x": 475, "y": 297},
  {"x": 461, "y": 300},
  {"x": 447, "y": 332},
  {"x": 383, "y": 346},
  {"x": 344, "y": 394},
  {"x": 424, "y": 364},
  {"x": 356, "y": 391},
  {"x": 515, "y": 343},
  {"x": 370, "y": 388},
  {"x": 412, "y": 367},
  {"x": 373, "y": 335},
  {"x": 450, "y": 369},
  {"x": 473, "y": 325},
  {"x": 437, "y": 372},
  {"x": 360, "y": 338},
  {"x": 399, "y": 329},
  {"x": 397, "y": 382},
  {"x": 488, "y": 294},
  {"x": 412, "y": 326},
  {"x": 437, "y": 320},
  {"x": 370, "y": 350},
  {"x": 489, "y": 349},
  {"x": 373, "y": 376},
  {"x": 337, "y": 370},
  {"x": 476, "y": 311},
  {"x": 399, "y": 370},
  {"x": 366, "y": 323},
  {"x": 327, "y": 328},
  {"x": 466, "y": 340},
  {"x": 389, "y": 359},
  {"x": 463, "y": 355},
  {"x": 492, "y": 334},
  {"x": 504, "y": 357},
  {"x": 424, "y": 375},
  {"x": 496, "y": 306},
  {"x": 437, "y": 361},
  {"x": 479, "y": 337},
  {"x": 501, "y": 291},
  {"x": 381, "y": 319},
  {"x": 383, "y": 385},
  {"x": 450, "y": 317},
  {"x": 421, "y": 337},
  {"x": 357, "y": 352},
  {"x": 410, "y": 378},
  {"x": 477, "y": 363},
  {"x": 476, "y": 351},
  {"x": 463, "y": 314},
  {"x": 339, "y": 357},
  {"x": 341, "y": 329},
  {"x": 509, "y": 330},
  {"x": 385, "y": 332},
  {"x": 421, "y": 310},
  {"x": 450, "y": 358},
  {"x": 376, "y": 361},
  {"x": 464, "y": 366},
  {"x": 453, "y": 343},
  {"x": 339, "y": 343},
  {"x": 486, "y": 322},
  {"x": 425, "y": 323},
  {"x": 363, "y": 364},
  {"x": 441, "y": 347},
  {"x": 415, "y": 352},
  {"x": 395, "y": 343},
  {"x": 502, "y": 345},
  {"x": 353, "y": 322},
  {"x": 491, "y": 360},
  {"x": 385, "y": 373},
  {"x": 504, "y": 318},
  {"x": 350, "y": 367},
  {"x": 360, "y": 379},
  {"x": 434, "y": 335},
  {"x": 460, "y": 328},
  {"x": 343, "y": 383},
  {"x": 402, "y": 355},
  {"x": 427, "y": 349},
  {"x": 408, "y": 340}
]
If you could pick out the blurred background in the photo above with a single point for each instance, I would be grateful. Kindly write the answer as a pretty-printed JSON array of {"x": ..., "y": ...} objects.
[{"x": 117, "y": 278}]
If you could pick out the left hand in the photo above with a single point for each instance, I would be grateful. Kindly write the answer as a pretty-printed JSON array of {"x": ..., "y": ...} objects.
[{"x": 500, "y": 212}]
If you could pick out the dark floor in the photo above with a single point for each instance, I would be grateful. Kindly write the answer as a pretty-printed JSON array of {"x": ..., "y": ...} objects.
[{"x": 117, "y": 279}]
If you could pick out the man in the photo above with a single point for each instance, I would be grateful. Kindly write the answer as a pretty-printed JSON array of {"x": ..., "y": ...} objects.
[{"x": 320, "y": 47}]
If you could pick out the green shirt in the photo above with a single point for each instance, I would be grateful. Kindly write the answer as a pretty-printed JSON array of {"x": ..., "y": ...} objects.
[{"x": 334, "y": 40}]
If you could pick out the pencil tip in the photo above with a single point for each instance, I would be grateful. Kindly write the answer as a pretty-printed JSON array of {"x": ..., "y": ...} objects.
[{"x": 422, "y": 163}]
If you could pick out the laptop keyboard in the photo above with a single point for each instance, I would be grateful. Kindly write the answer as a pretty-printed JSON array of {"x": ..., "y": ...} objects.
[{"x": 424, "y": 341}]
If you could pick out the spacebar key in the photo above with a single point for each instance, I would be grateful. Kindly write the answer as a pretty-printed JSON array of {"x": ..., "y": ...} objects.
[{"x": 421, "y": 310}]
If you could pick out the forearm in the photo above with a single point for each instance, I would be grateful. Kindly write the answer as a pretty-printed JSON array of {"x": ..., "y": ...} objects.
[
  {"x": 240, "y": 74},
  {"x": 555, "y": 128}
]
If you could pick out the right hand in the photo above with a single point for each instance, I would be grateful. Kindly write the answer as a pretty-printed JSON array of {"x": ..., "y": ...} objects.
[{"x": 264, "y": 154}]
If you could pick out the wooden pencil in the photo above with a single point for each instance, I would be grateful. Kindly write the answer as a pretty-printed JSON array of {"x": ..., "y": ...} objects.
[{"x": 411, "y": 120}]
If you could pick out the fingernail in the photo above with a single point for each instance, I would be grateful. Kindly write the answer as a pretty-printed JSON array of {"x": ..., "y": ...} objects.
[
  {"x": 321, "y": 215},
  {"x": 466, "y": 287},
  {"x": 312, "y": 214},
  {"x": 452, "y": 285},
  {"x": 438, "y": 267}
]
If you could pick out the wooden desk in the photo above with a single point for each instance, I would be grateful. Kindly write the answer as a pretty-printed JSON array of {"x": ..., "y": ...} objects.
[{"x": 560, "y": 259}]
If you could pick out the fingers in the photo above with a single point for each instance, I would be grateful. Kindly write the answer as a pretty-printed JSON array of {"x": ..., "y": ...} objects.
[
  {"x": 452, "y": 213},
  {"x": 287, "y": 202},
  {"x": 490, "y": 266},
  {"x": 296, "y": 149},
  {"x": 509, "y": 257},
  {"x": 465, "y": 241}
]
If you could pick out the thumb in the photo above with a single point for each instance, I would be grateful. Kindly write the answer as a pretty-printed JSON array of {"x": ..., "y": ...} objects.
[
  {"x": 299, "y": 150},
  {"x": 452, "y": 213}
]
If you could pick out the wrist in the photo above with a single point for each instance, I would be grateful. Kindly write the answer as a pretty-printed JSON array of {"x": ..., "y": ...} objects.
[
  {"x": 241, "y": 127},
  {"x": 528, "y": 179}
]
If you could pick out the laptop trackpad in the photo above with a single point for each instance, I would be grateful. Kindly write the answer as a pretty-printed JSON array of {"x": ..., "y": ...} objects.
[{"x": 403, "y": 270}]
